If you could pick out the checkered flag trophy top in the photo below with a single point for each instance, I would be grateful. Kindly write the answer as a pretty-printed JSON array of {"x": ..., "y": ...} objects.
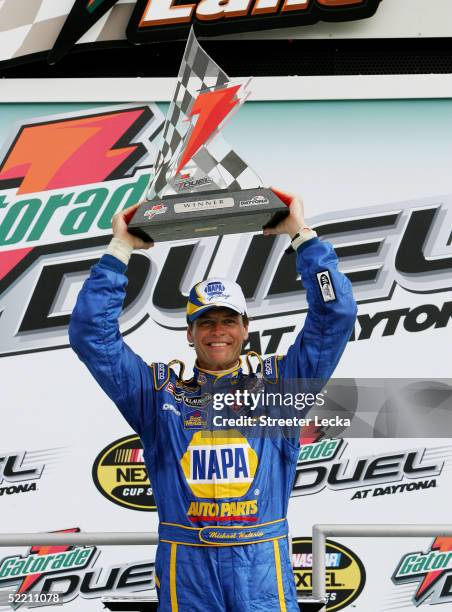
[
  {"x": 201, "y": 186},
  {"x": 200, "y": 160}
]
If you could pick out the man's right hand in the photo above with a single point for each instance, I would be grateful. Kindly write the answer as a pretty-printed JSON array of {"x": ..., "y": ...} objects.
[{"x": 120, "y": 229}]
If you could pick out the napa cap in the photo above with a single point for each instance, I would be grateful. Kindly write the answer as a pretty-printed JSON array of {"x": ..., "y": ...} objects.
[{"x": 215, "y": 293}]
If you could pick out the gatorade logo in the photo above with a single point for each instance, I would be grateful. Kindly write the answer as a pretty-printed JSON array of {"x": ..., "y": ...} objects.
[{"x": 219, "y": 464}]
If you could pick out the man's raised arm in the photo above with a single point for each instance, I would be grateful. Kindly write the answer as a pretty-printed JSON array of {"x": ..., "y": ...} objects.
[
  {"x": 332, "y": 308},
  {"x": 94, "y": 330}
]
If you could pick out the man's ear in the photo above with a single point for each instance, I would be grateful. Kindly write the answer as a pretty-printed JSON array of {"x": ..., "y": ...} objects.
[
  {"x": 246, "y": 332},
  {"x": 189, "y": 335}
]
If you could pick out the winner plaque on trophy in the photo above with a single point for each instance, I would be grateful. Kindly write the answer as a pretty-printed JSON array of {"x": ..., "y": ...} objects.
[{"x": 201, "y": 186}]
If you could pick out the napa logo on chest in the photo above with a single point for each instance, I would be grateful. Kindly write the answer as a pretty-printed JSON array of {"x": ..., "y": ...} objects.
[{"x": 219, "y": 464}]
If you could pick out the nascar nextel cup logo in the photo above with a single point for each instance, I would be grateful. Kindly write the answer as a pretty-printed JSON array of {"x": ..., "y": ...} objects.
[
  {"x": 345, "y": 573},
  {"x": 432, "y": 570},
  {"x": 154, "y": 20},
  {"x": 59, "y": 574},
  {"x": 120, "y": 474}
]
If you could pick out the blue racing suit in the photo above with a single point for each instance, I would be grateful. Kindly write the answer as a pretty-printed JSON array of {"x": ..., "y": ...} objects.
[{"x": 222, "y": 498}]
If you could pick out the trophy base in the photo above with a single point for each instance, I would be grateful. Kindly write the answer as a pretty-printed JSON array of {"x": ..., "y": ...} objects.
[{"x": 208, "y": 213}]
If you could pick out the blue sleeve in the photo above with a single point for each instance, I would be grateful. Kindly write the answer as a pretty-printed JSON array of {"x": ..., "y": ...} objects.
[
  {"x": 330, "y": 318},
  {"x": 95, "y": 337}
]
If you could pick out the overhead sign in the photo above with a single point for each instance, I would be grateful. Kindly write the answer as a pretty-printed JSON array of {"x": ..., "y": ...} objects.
[
  {"x": 167, "y": 19},
  {"x": 156, "y": 20}
]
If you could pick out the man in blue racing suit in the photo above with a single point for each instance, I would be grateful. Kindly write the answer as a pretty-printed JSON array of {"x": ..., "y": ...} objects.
[{"x": 222, "y": 497}]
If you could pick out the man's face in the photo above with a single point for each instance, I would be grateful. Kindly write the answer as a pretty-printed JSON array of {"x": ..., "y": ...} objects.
[{"x": 218, "y": 336}]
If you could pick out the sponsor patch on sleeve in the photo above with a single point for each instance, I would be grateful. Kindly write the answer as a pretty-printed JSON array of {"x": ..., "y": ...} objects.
[{"x": 326, "y": 286}]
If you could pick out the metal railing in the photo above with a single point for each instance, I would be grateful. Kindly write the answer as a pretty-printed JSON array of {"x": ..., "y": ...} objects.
[
  {"x": 319, "y": 536},
  {"x": 320, "y": 533},
  {"x": 95, "y": 539},
  {"x": 103, "y": 539}
]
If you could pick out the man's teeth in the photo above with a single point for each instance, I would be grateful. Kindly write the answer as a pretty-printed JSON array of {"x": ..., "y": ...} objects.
[{"x": 217, "y": 344}]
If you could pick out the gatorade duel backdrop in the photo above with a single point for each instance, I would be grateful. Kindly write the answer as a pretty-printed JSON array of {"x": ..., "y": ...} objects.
[{"x": 376, "y": 180}]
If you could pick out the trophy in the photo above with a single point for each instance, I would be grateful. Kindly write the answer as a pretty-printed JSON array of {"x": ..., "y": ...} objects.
[{"x": 201, "y": 186}]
